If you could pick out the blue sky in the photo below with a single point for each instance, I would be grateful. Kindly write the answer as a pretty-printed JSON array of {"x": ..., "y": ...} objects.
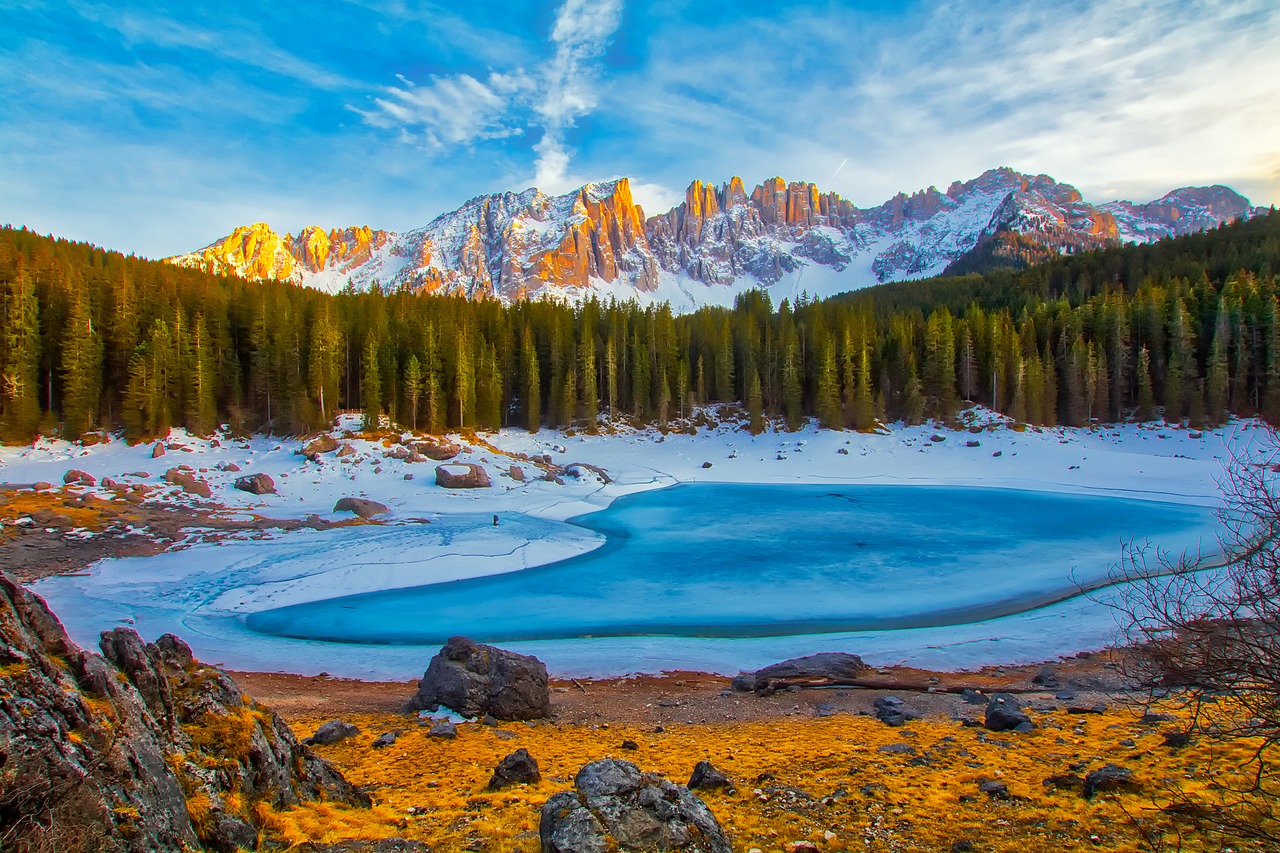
[{"x": 156, "y": 127}]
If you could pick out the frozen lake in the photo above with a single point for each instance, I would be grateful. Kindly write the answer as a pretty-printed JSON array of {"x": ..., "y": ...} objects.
[{"x": 754, "y": 561}]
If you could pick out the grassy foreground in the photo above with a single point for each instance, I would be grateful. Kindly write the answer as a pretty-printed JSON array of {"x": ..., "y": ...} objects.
[{"x": 826, "y": 781}]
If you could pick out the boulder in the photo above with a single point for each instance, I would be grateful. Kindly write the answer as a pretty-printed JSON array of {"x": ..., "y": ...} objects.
[
  {"x": 517, "y": 768},
  {"x": 257, "y": 484},
  {"x": 360, "y": 506},
  {"x": 464, "y": 476},
  {"x": 188, "y": 482},
  {"x": 1109, "y": 777},
  {"x": 438, "y": 451},
  {"x": 397, "y": 452},
  {"x": 75, "y": 477},
  {"x": 823, "y": 668},
  {"x": 332, "y": 732},
  {"x": 323, "y": 444},
  {"x": 158, "y": 450},
  {"x": 345, "y": 451},
  {"x": 614, "y": 806},
  {"x": 705, "y": 775},
  {"x": 516, "y": 473},
  {"x": 474, "y": 679},
  {"x": 1004, "y": 713}
]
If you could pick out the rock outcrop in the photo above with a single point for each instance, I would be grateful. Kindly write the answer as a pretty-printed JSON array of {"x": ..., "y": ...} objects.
[
  {"x": 140, "y": 749},
  {"x": 474, "y": 679},
  {"x": 616, "y": 807},
  {"x": 513, "y": 246}
]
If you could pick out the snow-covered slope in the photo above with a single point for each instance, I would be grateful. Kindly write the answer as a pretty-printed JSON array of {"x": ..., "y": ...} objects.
[{"x": 788, "y": 237}]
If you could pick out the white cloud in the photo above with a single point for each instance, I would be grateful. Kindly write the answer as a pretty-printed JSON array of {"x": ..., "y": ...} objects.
[
  {"x": 580, "y": 34},
  {"x": 457, "y": 110}
]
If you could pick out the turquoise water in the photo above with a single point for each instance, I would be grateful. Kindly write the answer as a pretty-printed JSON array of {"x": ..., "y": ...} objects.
[{"x": 706, "y": 560}]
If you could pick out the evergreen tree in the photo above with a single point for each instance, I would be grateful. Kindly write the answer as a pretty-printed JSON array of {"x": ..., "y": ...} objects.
[
  {"x": 755, "y": 403},
  {"x": 371, "y": 384},
  {"x": 413, "y": 388},
  {"x": 81, "y": 368},
  {"x": 532, "y": 385},
  {"x": 20, "y": 401},
  {"x": 1146, "y": 409}
]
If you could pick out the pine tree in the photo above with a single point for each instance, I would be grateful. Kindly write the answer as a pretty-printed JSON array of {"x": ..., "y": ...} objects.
[
  {"x": 19, "y": 396},
  {"x": 532, "y": 385},
  {"x": 791, "y": 388},
  {"x": 913, "y": 399},
  {"x": 1217, "y": 379},
  {"x": 413, "y": 388},
  {"x": 755, "y": 403},
  {"x": 1146, "y": 409},
  {"x": 827, "y": 405},
  {"x": 464, "y": 381},
  {"x": 81, "y": 368},
  {"x": 370, "y": 384},
  {"x": 202, "y": 402},
  {"x": 588, "y": 391},
  {"x": 864, "y": 411}
]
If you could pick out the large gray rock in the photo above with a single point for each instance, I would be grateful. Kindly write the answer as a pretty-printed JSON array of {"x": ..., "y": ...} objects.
[
  {"x": 1004, "y": 713},
  {"x": 823, "y": 668},
  {"x": 256, "y": 484},
  {"x": 360, "y": 506},
  {"x": 474, "y": 679},
  {"x": 616, "y": 807}
]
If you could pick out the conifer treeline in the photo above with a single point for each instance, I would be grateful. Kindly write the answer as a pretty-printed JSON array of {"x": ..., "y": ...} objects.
[{"x": 93, "y": 339}]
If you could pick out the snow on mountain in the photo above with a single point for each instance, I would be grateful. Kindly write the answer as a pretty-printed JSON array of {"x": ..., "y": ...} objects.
[{"x": 788, "y": 237}]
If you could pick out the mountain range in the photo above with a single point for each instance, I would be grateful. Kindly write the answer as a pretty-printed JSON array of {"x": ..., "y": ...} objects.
[{"x": 788, "y": 237}]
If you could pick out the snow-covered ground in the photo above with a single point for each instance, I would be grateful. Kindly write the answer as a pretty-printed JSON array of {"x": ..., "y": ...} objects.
[{"x": 201, "y": 592}]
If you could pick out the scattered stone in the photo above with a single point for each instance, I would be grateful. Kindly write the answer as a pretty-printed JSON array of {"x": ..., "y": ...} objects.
[
  {"x": 1100, "y": 708},
  {"x": 332, "y": 732},
  {"x": 705, "y": 775},
  {"x": 344, "y": 451},
  {"x": 823, "y": 668},
  {"x": 397, "y": 452},
  {"x": 158, "y": 450},
  {"x": 463, "y": 476},
  {"x": 516, "y": 473},
  {"x": 616, "y": 807},
  {"x": 1064, "y": 781},
  {"x": 897, "y": 749},
  {"x": 843, "y": 451},
  {"x": 1046, "y": 676},
  {"x": 1109, "y": 777},
  {"x": 517, "y": 768},
  {"x": 76, "y": 477},
  {"x": 408, "y": 476},
  {"x": 1176, "y": 739},
  {"x": 998, "y": 454},
  {"x": 706, "y": 464},
  {"x": 360, "y": 506},
  {"x": 385, "y": 739},
  {"x": 892, "y": 712},
  {"x": 993, "y": 789},
  {"x": 935, "y": 438},
  {"x": 230, "y": 467},
  {"x": 973, "y": 442},
  {"x": 475, "y": 679},
  {"x": 1065, "y": 695},
  {"x": 630, "y": 744},
  {"x": 974, "y": 697},
  {"x": 382, "y": 845},
  {"x": 444, "y": 729},
  {"x": 1004, "y": 713},
  {"x": 1150, "y": 718},
  {"x": 256, "y": 484}
]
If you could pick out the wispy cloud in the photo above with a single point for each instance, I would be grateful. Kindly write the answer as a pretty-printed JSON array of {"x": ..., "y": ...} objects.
[
  {"x": 460, "y": 109},
  {"x": 581, "y": 33},
  {"x": 457, "y": 110}
]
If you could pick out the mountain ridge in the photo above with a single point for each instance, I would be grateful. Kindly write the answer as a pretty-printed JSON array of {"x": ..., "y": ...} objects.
[{"x": 789, "y": 237}]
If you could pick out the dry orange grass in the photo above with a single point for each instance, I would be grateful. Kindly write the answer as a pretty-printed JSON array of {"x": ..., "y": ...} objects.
[{"x": 862, "y": 799}]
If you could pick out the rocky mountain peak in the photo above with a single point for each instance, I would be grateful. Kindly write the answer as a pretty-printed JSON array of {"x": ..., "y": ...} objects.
[{"x": 720, "y": 240}]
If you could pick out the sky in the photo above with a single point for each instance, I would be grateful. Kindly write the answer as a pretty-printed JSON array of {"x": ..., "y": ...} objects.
[{"x": 156, "y": 127}]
